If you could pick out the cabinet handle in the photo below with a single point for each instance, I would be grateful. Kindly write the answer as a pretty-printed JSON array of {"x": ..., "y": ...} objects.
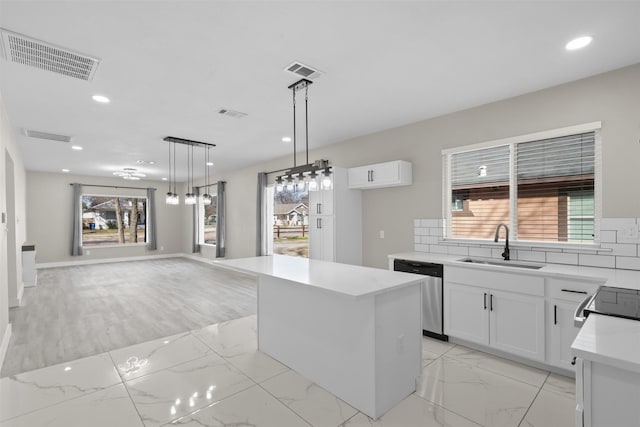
[
  {"x": 318, "y": 208},
  {"x": 485, "y": 300},
  {"x": 372, "y": 176},
  {"x": 491, "y": 302},
  {"x": 574, "y": 292},
  {"x": 573, "y": 361},
  {"x": 555, "y": 314},
  {"x": 319, "y": 222}
]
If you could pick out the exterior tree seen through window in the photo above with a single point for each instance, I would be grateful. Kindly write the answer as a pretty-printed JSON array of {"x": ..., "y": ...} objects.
[{"x": 109, "y": 220}]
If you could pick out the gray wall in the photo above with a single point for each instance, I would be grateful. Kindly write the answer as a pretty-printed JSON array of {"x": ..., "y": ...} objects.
[
  {"x": 49, "y": 220},
  {"x": 9, "y": 146},
  {"x": 612, "y": 98}
]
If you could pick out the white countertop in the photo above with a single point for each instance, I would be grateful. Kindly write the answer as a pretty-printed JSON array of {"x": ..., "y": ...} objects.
[
  {"x": 609, "y": 276},
  {"x": 346, "y": 279},
  {"x": 609, "y": 340}
]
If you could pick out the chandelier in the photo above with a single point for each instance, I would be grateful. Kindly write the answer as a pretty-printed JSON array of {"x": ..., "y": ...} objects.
[
  {"x": 190, "y": 198},
  {"x": 297, "y": 177}
]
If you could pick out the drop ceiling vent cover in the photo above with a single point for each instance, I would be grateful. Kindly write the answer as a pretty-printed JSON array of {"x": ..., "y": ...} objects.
[
  {"x": 45, "y": 135},
  {"x": 301, "y": 70},
  {"x": 36, "y": 53}
]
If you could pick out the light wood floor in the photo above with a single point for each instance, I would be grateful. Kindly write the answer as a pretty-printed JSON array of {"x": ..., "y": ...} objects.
[{"x": 85, "y": 310}]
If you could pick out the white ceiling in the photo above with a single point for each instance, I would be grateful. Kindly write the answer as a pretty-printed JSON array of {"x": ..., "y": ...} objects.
[{"x": 168, "y": 66}]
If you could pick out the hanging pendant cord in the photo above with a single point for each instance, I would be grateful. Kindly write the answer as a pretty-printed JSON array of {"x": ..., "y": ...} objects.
[
  {"x": 174, "y": 168},
  {"x": 306, "y": 119},
  {"x": 169, "y": 145},
  {"x": 293, "y": 90}
]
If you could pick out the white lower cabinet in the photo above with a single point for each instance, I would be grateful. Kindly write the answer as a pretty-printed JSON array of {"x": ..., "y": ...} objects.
[
  {"x": 606, "y": 395},
  {"x": 563, "y": 298},
  {"x": 517, "y": 324},
  {"x": 561, "y": 332},
  {"x": 506, "y": 321},
  {"x": 465, "y": 313}
]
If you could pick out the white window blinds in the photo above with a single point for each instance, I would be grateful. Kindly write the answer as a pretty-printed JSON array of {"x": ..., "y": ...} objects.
[
  {"x": 555, "y": 187},
  {"x": 542, "y": 189},
  {"x": 479, "y": 192}
]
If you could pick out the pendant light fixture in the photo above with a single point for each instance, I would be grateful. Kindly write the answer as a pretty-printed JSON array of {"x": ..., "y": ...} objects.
[
  {"x": 172, "y": 198},
  {"x": 297, "y": 178},
  {"x": 190, "y": 198},
  {"x": 206, "y": 197}
]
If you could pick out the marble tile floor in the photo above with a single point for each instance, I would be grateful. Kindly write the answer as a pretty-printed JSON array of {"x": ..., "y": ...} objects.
[{"x": 215, "y": 376}]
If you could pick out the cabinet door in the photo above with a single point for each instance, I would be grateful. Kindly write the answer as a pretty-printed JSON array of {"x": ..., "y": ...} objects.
[
  {"x": 321, "y": 202},
  {"x": 466, "y": 314},
  {"x": 321, "y": 242},
  {"x": 516, "y": 324},
  {"x": 385, "y": 174},
  {"x": 561, "y": 332},
  {"x": 359, "y": 177}
]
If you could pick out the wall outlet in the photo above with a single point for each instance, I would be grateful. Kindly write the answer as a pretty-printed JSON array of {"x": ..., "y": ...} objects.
[{"x": 381, "y": 233}]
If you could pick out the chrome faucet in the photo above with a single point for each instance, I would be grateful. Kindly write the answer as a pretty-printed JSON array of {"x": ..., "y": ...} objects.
[{"x": 505, "y": 254}]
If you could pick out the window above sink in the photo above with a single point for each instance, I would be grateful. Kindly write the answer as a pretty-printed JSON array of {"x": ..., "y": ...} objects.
[{"x": 544, "y": 186}]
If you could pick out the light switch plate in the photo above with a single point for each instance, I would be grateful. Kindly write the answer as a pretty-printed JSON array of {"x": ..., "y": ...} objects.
[{"x": 4, "y": 217}]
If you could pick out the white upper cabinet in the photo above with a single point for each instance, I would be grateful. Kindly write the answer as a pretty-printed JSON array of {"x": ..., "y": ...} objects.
[{"x": 389, "y": 174}]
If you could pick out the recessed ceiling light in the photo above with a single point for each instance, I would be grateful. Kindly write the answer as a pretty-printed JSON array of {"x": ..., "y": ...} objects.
[
  {"x": 101, "y": 99},
  {"x": 286, "y": 139},
  {"x": 579, "y": 43},
  {"x": 146, "y": 162},
  {"x": 66, "y": 170},
  {"x": 209, "y": 163},
  {"x": 76, "y": 147},
  {"x": 164, "y": 179}
]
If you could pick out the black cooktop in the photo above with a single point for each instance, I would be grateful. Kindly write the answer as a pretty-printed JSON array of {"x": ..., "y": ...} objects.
[{"x": 619, "y": 302}]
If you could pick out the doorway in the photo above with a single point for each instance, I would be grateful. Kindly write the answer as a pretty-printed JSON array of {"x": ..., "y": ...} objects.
[
  {"x": 291, "y": 221},
  {"x": 11, "y": 244}
]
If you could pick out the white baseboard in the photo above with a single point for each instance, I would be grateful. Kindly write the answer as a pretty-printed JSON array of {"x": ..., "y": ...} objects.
[
  {"x": 18, "y": 299},
  {"x": 199, "y": 258},
  {"x": 4, "y": 346},
  {"x": 105, "y": 260}
]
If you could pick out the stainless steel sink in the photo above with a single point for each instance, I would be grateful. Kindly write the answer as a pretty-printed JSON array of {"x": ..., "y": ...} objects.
[{"x": 500, "y": 263}]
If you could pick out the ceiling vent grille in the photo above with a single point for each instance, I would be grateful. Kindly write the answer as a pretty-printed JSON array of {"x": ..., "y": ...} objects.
[
  {"x": 45, "y": 135},
  {"x": 231, "y": 113},
  {"x": 25, "y": 50},
  {"x": 299, "y": 69}
]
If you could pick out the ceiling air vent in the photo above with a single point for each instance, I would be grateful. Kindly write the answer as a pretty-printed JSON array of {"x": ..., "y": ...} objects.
[
  {"x": 299, "y": 69},
  {"x": 44, "y": 135},
  {"x": 36, "y": 53},
  {"x": 231, "y": 113}
]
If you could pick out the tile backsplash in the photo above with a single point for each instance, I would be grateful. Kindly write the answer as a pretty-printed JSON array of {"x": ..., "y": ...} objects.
[{"x": 617, "y": 245}]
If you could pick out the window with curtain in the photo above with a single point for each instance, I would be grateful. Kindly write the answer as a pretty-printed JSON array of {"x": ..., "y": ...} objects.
[
  {"x": 543, "y": 189},
  {"x": 113, "y": 220},
  {"x": 208, "y": 220}
]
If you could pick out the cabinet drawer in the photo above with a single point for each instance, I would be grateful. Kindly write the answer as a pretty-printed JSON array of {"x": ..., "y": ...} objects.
[
  {"x": 570, "y": 290},
  {"x": 511, "y": 282}
]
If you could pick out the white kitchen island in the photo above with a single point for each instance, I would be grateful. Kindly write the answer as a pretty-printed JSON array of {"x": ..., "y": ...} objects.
[{"x": 355, "y": 331}]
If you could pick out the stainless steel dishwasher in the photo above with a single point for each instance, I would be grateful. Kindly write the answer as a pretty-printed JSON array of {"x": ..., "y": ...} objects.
[{"x": 432, "y": 295}]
